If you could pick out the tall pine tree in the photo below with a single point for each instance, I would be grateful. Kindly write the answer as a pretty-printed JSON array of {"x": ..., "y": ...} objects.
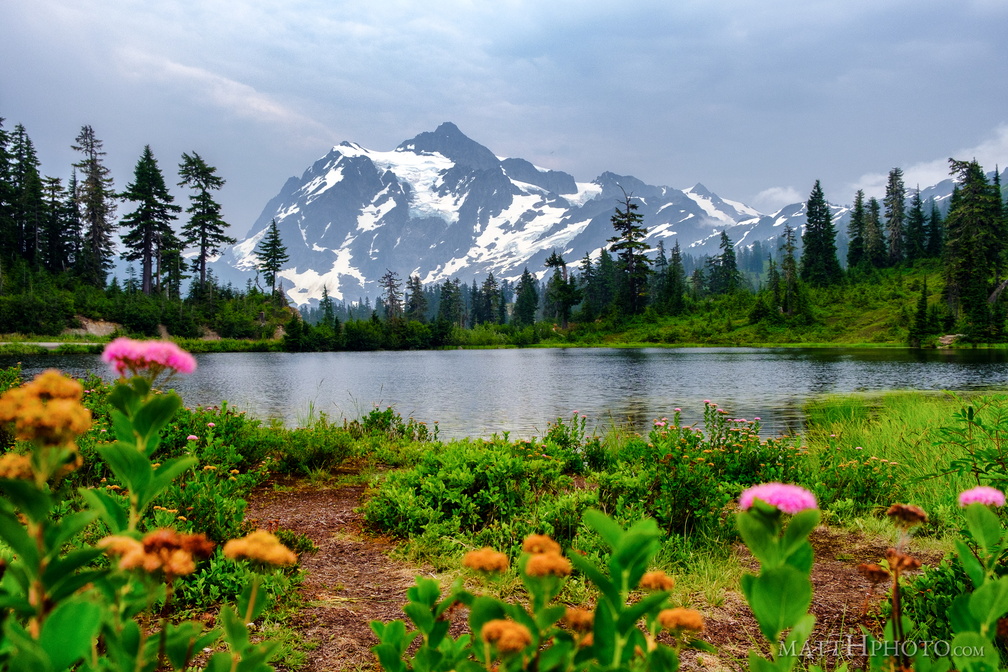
[
  {"x": 819, "y": 264},
  {"x": 150, "y": 222},
  {"x": 895, "y": 215},
  {"x": 855, "y": 232},
  {"x": 205, "y": 228},
  {"x": 629, "y": 247},
  {"x": 96, "y": 200},
  {"x": 272, "y": 255}
]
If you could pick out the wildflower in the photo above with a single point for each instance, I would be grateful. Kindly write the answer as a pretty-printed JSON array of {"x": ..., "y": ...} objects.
[
  {"x": 147, "y": 358},
  {"x": 15, "y": 467},
  {"x": 507, "y": 635},
  {"x": 164, "y": 551},
  {"x": 677, "y": 410},
  {"x": 540, "y": 543},
  {"x": 579, "y": 620},
  {"x": 788, "y": 498},
  {"x": 260, "y": 546},
  {"x": 46, "y": 410},
  {"x": 756, "y": 419},
  {"x": 486, "y": 560},
  {"x": 211, "y": 425},
  {"x": 547, "y": 564},
  {"x": 656, "y": 580},
  {"x": 192, "y": 437},
  {"x": 681, "y": 618},
  {"x": 982, "y": 494},
  {"x": 901, "y": 562},
  {"x": 908, "y": 514}
]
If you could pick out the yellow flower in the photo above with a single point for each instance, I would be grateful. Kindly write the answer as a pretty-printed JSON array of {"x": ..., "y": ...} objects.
[
  {"x": 260, "y": 546},
  {"x": 14, "y": 466},
  {"x": 507, "y": 635}
]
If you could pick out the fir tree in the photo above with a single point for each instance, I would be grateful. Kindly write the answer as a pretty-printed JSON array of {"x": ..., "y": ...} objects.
[
  {"x": 526, "y": 300},
  {"x": 151, "y": 221},
  {"x": 561, "y": 291},
  {"x": 205, "y": 228},
  {"x": 272, "y": 254},
  {"x": 391, "y": 287},
  {"x": 416, "y": 299},
  {"x": 819, "y": 265},
  {"x": 676, "y": 301},
  {"x": 874, "y": 239},
  {"x": 629, "y": 247},
  {"x": 28, "y": 197},
  {"x": 856, "y": 231},
  {"x": 8, "y": 232},
  {"x": 916, "y": 229},
  {"x": 56, "y": 237},
  {"x": 96, "y": 200},
  {"x": 935, "y": 232},
  {"x": 895, "y": 215},
  {"x": 723, "y": 276}
]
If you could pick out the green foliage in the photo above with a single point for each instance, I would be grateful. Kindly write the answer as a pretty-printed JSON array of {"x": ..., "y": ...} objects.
[{"x": 624, "y": 629}]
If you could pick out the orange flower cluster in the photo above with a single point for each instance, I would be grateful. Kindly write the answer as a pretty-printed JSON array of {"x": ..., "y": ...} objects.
[
  {"x": 908, "y": 514},
  {"x": 656, "y": 580},
  {"x": 260, "y": 546},
  {"x": 579, "y": 620},
  {"x": 545, "y": 557},
  {"x": 680, "y": 619},
  {"x": 486, "y": 560},
  {"x": 15, "y": 466},
  {"x": 901, "y": 562},
  {"x": 47, "y": 410},
  {"x": 507, "y": 635},
  {"x": 160, "y": 551}
]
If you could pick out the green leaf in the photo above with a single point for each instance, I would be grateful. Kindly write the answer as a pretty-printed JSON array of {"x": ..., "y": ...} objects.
[
  {"x": 35, "y": 503},
  {"x": 975, "y": 652},
  {"x": 989, "y": 602},
  {"x": 985, "y": 527},
  {"x": 596, "y": 576},
  {"x": 798, "y": 530},
  {"x": 973, "y": 568},
  {"x": 67, "y": 528},
  {"x": 129, "y": 466},
  {"x": 795, "y": 641},
  {"x": 663, "y": 659},
  {"x": 758, "y": 537},
  {"x": 67, "y": 633},
  {"x": 235, "y": 630},
  {"x": 484, "y": 609},
  {"x": 607, "y": 528},
  {"x": 779, "y": 597},
  {"x": 184, "y": 640},
  {"x": 108, "y": 508},
  {"x": 14, "y": 535},
  {"x": 152, "y": 416}
]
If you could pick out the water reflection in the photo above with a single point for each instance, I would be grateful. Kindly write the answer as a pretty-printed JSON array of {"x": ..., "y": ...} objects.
[{"x": 480, "y": 392}]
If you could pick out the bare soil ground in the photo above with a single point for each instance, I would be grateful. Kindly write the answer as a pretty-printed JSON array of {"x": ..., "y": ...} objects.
[{"x": 351, "y": 581}]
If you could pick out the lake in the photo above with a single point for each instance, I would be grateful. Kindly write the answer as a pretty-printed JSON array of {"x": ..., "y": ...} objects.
[{"x": 481, "y": 392}]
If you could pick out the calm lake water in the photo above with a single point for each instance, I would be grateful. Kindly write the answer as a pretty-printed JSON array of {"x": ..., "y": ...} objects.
[{"x": 479, "y": 392}]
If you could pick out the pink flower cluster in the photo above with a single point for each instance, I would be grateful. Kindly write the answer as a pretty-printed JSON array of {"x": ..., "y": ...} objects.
[
  {"x": 147, "y": 358},
  {"x": 788, "y": 498},
  {"x": 982, "y": 494}
]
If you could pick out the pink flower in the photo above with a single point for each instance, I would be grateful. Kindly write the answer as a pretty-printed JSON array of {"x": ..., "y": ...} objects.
[
  {"x": 147, "y": 358},
  {"x": 706, "y": 401},
  {"x": 192, "y": 437},
  {"x": 677, "y": 410},
  {"x": 756, "y": 419},
  {"x": 982, "y": 494},
  {"x": 787, "y": 498},
  {"x": 211, "y": 424}
]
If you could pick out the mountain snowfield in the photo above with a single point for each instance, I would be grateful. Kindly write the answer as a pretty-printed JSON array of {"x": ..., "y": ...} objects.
[{"x": 443, "y": 206}]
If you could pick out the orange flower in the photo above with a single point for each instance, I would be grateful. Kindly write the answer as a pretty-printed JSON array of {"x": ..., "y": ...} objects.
[
  {"x": 160, "y": 551},
  {"x": 546, "y": 564},
  {"x": 260, "y": 546},
  {"x": 580, "y": 620},
  {"x": 507, "y": 635},
  {"x": 486, "y": 560},
  {"x": 656, "y": 580},
  {"x": 540, "y": 543},
  {"x": 681, "y": 619},
  {"x": 47, "y": 410},
  {"x": 14, "y": 466}
]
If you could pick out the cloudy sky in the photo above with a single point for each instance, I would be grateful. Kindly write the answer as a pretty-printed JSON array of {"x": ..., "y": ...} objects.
[{"x": 754, "y": 99}]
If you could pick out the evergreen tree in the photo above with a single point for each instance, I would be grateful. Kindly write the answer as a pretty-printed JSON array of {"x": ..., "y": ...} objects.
[
  {"x": 151, "y": 221},
  {"x": 659, "y": 279},
  {"x": 920, "y": 327},
  {"x": 391, "y": 287},
  {"x": 874, "y": 239},
  {"x": 29, "y": 200},
  {"x": 916, "y": 229},
  {"x": 56, "y": 240},
  {"x": 974, "y": 246},
  {"x": 8, "y": 232},
  {"x": 272, "y": 254},
  {"x": 490, "y": 301},
  {"x": 856, "y": 232},
  {"x": 935, "y": 232},
  {"x": 590, "y": 305},
  {"x": 629, "y": 247},
  {"x": 676, "y": 301},
  {"x": 526, "y": 300},
  {"x": 793, "y": 299},
  {"x": 450, "y": 308},
  {"x": 723, "y": 276},
  {"x": 819, "y": 265},
  {"x": 205, "y": 228},
  {"x": 416, "y": 299},
  {"x": 895, "y": 215},
  {"x": 561, "y": 291},
  {"x": 96, "y": 200},
  {"x": 72, "y": 220}
]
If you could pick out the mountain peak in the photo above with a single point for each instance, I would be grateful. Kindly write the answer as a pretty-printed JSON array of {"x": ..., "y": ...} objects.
[{"x": 448, "y": 141}]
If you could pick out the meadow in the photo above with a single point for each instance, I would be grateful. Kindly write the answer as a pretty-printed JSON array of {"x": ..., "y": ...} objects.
[{"x": 618, "y": 503}]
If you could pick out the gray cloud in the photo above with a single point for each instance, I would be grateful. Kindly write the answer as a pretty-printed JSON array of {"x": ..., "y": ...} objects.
[{"x": 755, "y": 100}]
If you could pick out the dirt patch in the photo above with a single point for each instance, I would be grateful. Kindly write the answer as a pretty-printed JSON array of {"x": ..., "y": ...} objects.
[
  {"x": 91, "y": 327},
  {"x": 351, "y": 581}
]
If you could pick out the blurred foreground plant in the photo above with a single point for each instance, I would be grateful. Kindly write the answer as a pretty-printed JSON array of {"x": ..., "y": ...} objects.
[{"x": 62, "y": 607}]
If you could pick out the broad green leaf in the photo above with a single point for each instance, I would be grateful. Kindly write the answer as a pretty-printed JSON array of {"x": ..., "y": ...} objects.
[
  {"x": 67, "y": 528},
  {"x": 185, "y": 640},
  {"x": 110, "y": 510},
  {"x": 779, "y": 598},
  {"x": 798, "y": 529},
  {"x": 68, "y": 631},
  {"x": 606, "y": 527},
  {"x": 985, "y": 527},
  {"x": 596, "y": 576},
  {"x": 970, "y": 563},
  {"x": 14, "y": 535},
  {"x": 989, "y": 602},
  {"x": 758, "y": 538},
  {"x": 663, "y": 659},
  {"x": 795, "y": 641},
  {"x": 35, "y": 503},
  {"x": 972, "y": 651}
]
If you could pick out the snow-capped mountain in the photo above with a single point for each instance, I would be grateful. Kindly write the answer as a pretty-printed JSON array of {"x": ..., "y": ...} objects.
[{"x": 443, "y": 206}]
